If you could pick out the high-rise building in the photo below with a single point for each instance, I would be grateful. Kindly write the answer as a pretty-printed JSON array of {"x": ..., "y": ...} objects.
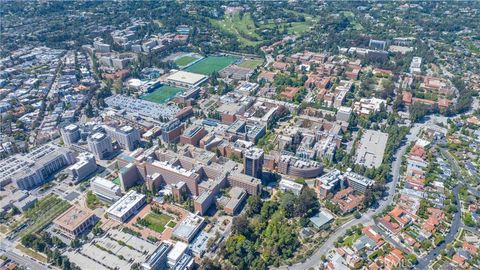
[
  {"x": 127, "y": 137},
  {"x": 253, "y": 162},
  {"x": 100, "y": 145},
  {"x": 70, "y": 134},
  {"x": 84, "y": 166}
]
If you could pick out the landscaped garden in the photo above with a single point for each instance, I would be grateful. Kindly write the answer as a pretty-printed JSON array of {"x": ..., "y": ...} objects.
[{"x": 156, "y": 221}]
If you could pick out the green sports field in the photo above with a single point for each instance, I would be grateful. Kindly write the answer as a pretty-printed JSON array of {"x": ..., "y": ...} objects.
[
  {"x": 162, "y": 94},
  {"x": 210, "y": 64},
  {"x": 251, "y": 63},
  {"x": 185, "y": 60}
]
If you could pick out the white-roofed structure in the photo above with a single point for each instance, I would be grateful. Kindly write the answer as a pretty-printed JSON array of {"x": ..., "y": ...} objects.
[
  {"x": 185, "y": 79},
  {"x": 188, "y": 228},
  {"x": 289, "y": 185},
  {"x": 105, "y": 189},
  {"x": 176, "y": 253},
  {"x": 128, "y": 205}
]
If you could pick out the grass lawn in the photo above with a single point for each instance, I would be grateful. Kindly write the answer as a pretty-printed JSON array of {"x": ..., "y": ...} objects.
[
  {"x": 171, "y": 224},
  {"x": 296, "y": 28},
  {"x": 32, "y": 253},
  {"x": 211, "y": 64},
  {"x": 251, "y": 63},
  {"x": 349, "y": 240},
  {"x": 162, "y": 94},
  {"x": 242, "y": 27},
  {"x": 157, "y": 222},
  {"x": 185, "y": 60}
]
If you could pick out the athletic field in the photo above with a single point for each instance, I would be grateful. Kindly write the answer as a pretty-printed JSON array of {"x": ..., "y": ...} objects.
[
  {"x": 251, "y": 63},
  {"x": 210, "y": 64},
  {"x": 185, "y": 60},
  {"x": 162, "y": 94}
]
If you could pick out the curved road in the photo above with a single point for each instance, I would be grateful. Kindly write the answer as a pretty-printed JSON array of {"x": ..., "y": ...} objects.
[
  {"x": 456, "y": 224},
  {"x": 457, "y": 221},
  {"x": 367, "y": 218}
]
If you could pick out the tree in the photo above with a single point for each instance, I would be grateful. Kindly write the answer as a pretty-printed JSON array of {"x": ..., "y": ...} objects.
[
  {"x": 240, "y": 225},
  {"x": 412, "y": 259},
  {"x": 254, "y": 204},
  {"x": 307, "y": 203},
  {"x": 287, "y": 203}
]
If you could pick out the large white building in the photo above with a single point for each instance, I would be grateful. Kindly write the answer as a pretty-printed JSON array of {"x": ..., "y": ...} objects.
[
  {"x": 105, "y": 190},
  {"x": 289, "y": 185},
  {"x": 358, "y": 182},
  {"x": 100, "y": 145},
  {"x": 128, "y": 205},
  {"x": 186, "y": 79},
  {"x": 188, "y": 228},
  {"x": 34, "y": 169},
  {"x": 127, "y": 137},
  {"x": 253, "y": 162},
  {"x": 84, "y": 166}
]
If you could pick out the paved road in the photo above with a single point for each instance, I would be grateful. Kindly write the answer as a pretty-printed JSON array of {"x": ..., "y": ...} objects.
[
  {"x": 456, "y": 224},
  {"x": 25, "y": 261},
  {"x": 367, "y": 218}
]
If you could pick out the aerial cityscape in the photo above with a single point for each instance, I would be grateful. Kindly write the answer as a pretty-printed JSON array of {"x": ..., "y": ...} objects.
[{"x": 292, "y": 135}]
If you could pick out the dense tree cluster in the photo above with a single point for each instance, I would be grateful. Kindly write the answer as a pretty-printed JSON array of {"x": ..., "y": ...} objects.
[
  {"x": 50, "y": 246},
  {"x": 267, "y": 233}
]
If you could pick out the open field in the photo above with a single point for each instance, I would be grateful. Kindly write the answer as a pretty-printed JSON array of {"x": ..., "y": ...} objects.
[
  {"x": 157, "y": 222},
  {"x": 296, "y": 28},
  {"x": 211, "y": 64},
  {"x": 251, "y": 63},
  {"x": 162, "y": 94},
  {"x": 185, "y": 60},
  {"x": 243, "y": 27}
]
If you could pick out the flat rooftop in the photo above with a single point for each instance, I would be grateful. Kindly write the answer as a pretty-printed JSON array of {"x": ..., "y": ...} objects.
[
  {"x": 371, "y": 149},
  {"x": 98, "y": 136},
  {"x": 73, "y": 217},
  {"x": 188, "y": 226},
  {"x": 122, "y": 206},
  {"x": 186, "y": 77}
]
